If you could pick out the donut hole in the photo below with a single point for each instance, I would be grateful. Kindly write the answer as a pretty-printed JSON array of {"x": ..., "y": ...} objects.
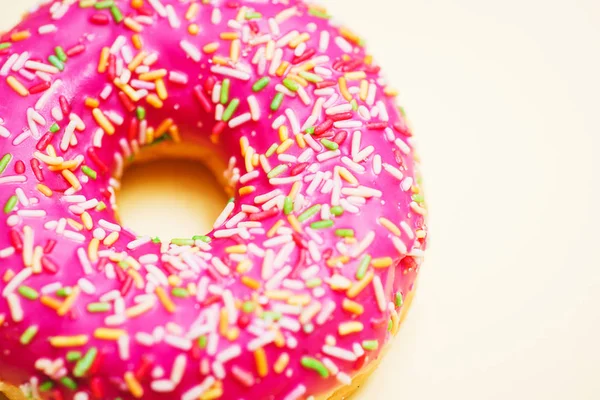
[{"x": 170, "y": 196}]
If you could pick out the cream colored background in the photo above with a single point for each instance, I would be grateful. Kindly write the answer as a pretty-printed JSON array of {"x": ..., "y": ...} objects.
[{"x": 504, "y": 97}]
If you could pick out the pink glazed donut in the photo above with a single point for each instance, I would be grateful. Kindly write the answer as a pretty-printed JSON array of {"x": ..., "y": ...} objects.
[{"x": 303, "y": 280}]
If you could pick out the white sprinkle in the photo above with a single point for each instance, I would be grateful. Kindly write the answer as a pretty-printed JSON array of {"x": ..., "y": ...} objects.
[
  {"x": 339, "y": 353},
  {"x": 178, "y": 342},
  {"x": 191, "y": 50},
  {"x": 399, "y": 245},
  {"x": 41, "y": 103},
  {"x": 296, "y": 393},
  {"x": 45, "y": 29},
  {"x": 16, "y": 281},
  {"x": 324, "y": 41},
  {"x": 254, "y": 107},
  {"x": 139, "y": 242},
  {"x": 172, "y": 17},
  {"x": 158, "y": 7},
  {"x": 83, "y": 259},
  {"x": 234, "y": 73},
  {"x": 197, "y": 391},
  {"x": 240, "y": 120},
  {"x": 178, "y": 368},
  {"x": 348, "y": 124},
  {"x": 123, "y": 344},
  {"x": 339, "y": 109},
  {"x": 16, "y": 311},
  {"x": 162, "y": 386},
  {"x": 229, "y": 354},
  {"x": 86, "y": 286}
]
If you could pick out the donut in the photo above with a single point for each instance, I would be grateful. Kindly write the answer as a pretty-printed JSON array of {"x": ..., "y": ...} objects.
[{"x": 302, "y": 281}]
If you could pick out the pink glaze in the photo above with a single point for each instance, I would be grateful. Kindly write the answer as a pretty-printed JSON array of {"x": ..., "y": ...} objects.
[{"x": 288, "y": 293}]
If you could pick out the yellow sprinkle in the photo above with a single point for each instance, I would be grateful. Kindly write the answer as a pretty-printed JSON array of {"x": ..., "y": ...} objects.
[
  {"x": 210, "y": 48},
  {"x": 163, "y": 127},
  {"x": 260, "y": 358},
  {"x": 299, "y": 39},
  {"x": 281, "y": 363},
  {"x": 45, "y": 190},
  {"x": 279, "y": 339},
  {"x": 244, "y": 266},
  {"x": 103, "y": 61},
  {"x": 395, "y": 321},
  {"x": 283, "y": 147},
  {"x": 347, "y": 176},
  {"x": 69, "y": 302},
  {"x": 234, "y": 50},
  {"x": 355, "y": 75},
  {"x": 174, "y": 133},
  {"x": 251, "y": 283},
  {"x": 137, "y": 41},
  {"x": 223, "y": 322},
  {"x": 111, "y": 239},
  {"x": 38, "y": 252},
  {"x": 17, "y": 86},
  {"x": 244, "y": 144},
  {"x": 346, "y": 328},
  {"x": 220, "y": 60},
  {"x": 333, "y": 261},
  {"x": 282, "y": 68},
  {"x": 390, "y": 226},
  {"x": 229, "y": 35},
  {"x": 69, "y": 341},
  {"x": 72, "y": 179},
  {"x": 74, "y": 224},
  {"x": 154, "y": 101},
  {"x": 103, "y": 121},
  {"x": 300, "y": 140},
  {"x": 390, "y": 92},
  {"x": 274, "y": 228},
  {"x": 352, "y": 307},
  {"x": 174, "y": 280},
  {"x": 212, "y": 394},
  {"x": 358, "y": 287},
  {"x": 161, "y": 89},
  {"x": 165, "y": 300},
  {"x": 283, "y": 133},
  {"x": 294, "y": 223},
  {"x": 138, "y": 309},
  {"x": 193, "y": 29},
  {"x": 296, "y": 186},
  {"x": 349, "y": 35},
  {"x": 421, "y": 233},
  {"x": 236, "y": 249},
  {"x": 153, "y": 75},
  {"x": 246, "y": 190},
  {"x": 18, "y": 36},
  {"x": 50, "y": 302},
  {"x": 298, "y": 79},
  {"x": 93, "y": 250},
  {"x": 368, "y": 59},
  {"x": 88, "y": 223},
  {"x": 133, "y": 25},
  {"x": 278, "y": 294},
  {"x": 382, "y": 262},
  {"x": 108, "y": 333},
  {"x": 192, "y": 11},
  {"x": 135, "y": 388},
  {"x": 137, "y": 278},
  {"x": 344, "y": 89},
  {"x": 364, "y": 90},
  {"x": 255, "y": 159},
  {"x": 137, "y": 61},
  {"x": 233, "y": 334}
]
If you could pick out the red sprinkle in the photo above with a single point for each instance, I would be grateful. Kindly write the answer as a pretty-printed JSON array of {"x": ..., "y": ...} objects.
[
  {"x": 49, "y": 246},
  {"x": 219, "y": 128},
  {"x": 49, "y": 266},
  {"x": 126, "y": 101},
  {"x": 126, "y": 285},
  {"x": 133, "y": 128},
  {"x": 44, "y": 142},
  {"x": 378, "y": 126},
  {"x": 209, "y": 84},
  {"x": 144, "y": 368},
  {"x": 75, "y": 50},
  {"x": 37, "y": 169},
  {"x": 325, "y": 84},
  {"x": 305, "y": 56},
  {"x": 19, "y": 167},
  {"x": 340, "y": 137},
  {"x": 94, "y": 157},
  {"x": 401, "y": 127},
  {"x": 243, "y": 321},
  {"x": 298, "y": 169},
  {"x": 99, "y": 19},
  {"x": 39, "y": 88},
  {"x": 65, "y": 107},
  {"x": 204, "y": 101},
  {"x": 341, "y": 116},
  {"x": 15, "y": 241},
  {"x": 259, "y": 216},
  {"x": 112, "y": 67},
  {"x": 97, "y": 388}
]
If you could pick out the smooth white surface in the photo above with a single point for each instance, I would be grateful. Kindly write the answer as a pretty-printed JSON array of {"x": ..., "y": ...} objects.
[{"x": 504, "y": 98}]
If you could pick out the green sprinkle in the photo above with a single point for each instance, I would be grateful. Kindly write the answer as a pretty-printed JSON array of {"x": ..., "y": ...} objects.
[
  {"x": 399, "y": 299},
  {"x": 98, "y": 307},
  {"x": 85, "y": 363},
  {"x": 5, "y": 45},
  {"x": 89, "y": 172},
  {"x": 261, "y": 84},
  {"x": 370, "y": 345},
  {"x": 124, "y": 264},
  {"x": 322, "y": 224},
  {"x": 288, "y": 205},
  {"x": 315, "y": 365},
  {"x": 248, "y": 307},
  {"x": 182, "y": 242},
  {"x": 28, "y": 292},
  {"x": 63, "y": 292},
  {"x": 228, "y": 113},
  {"x": 291, "y": 84},
  {"x": 271, "y": 150},
  {"x": 390, "y": 325},
  {"x": 56, "y": 62},
  {"x": 156, "y": 240},
  {"x": 203, "y": 238},
  {"x": 28, "y": 335},
  {"x": 4, "y": 162},
  {"x": 309, "y": 213},
  {"x": 271, "y": 315},
  {"x": 329, "y": 144},
  {"x": 337, "y": 210},
  {"x": 202, "y": 341},
  {"x": 309, "y": 76},
  {"x": 277, "y": 100},
  {"x": 101, "y": 206},
  {"x": 225, "y": 91},
  {"x": 314, "y": 282},
  {"x": 46, "y": 386},
  {"x": 101, "y": 5},
  {"x": 253, "y": 15},
  {"x": 344, "y": 232},
  {"x": 180, "y": 292},
  {"x": 310, "y": 130},
  {"x": 140, "y": 113},
  {"x": 354, "y": 105},
  {"x": 10, "y": 204},
  {"x": 60, "y": 53},
  {"x": 402, "y": 111},
  {"x": 68, "y": 383},
  {"x": 363, "y": 266},
  {"x": 116, "y": 14},
  {"x": 73, "y": 356},
  {"x": 54, "y": 128},
  {"x": 318, "y": 13},
  {"x": 419, "y": 198},
  {"x": 277, "y": 171}
]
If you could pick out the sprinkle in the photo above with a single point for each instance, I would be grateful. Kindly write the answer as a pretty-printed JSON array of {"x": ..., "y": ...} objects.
[
  {"x": 28, "y": 292},
  {"x": 370, "y": 345},
  {"x": 347, "y": 328},
  {"x": 108, "y": 334},
  {"x": 85, "y": 363},
  {"x": 363, "y": 266},
  {"x": 29, "y": 334},
  {"x": 261, "y": 84},
  {"x": 260, "y": 359},
  {"x": 133, "y": 385},
  {"x": 165, "y": 300},
  {"x": 277, "y": 100},
  {"x": 315, "y": 365},
  {"x": 69, "y": 341},
  {"x": 17, "y": 86}
]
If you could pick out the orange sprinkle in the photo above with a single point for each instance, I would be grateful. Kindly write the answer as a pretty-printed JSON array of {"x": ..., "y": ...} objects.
[
  {"x": 283, "y": 133},
  {"x": 103, "y": 61},
  {"x": 281, "y": 363},
  {"x": 69, "y": 302},
  {"x": 223, "y": 322},
  {"x": 229, "y": 35},
  {"x": 274, "y": 228},
  {"x": 165, "y": 300},
  {"x": 21, "y": 35},
  {"x": 295, "y": 189},
  {"x": 137, "y": 61},
  {"x": 91, "y": 102},
  {"x": 282, "y": 68},
  {"x": 153, "y": 75},
  {"x": 294, "y": 223},
  {"x": 103, "y": 121},
  {"x": 161, "y": 89},
  {"x": 93, "y": 250},
  {"x": 45, "y": 190},
  {"x": 137, "y": 41},
  {"x": 17, "y": 86},
  {"x": 174, "y": 132},
  {"x": 344, "y": 89},
  {"x": 333, "y": 261},
  {"x": 358, "y": 287},
  {"x": 50, "y": 302},
  {"x": 137, "y": 278},
  {"x": 382, "y": 262},
  {"x": 349, "y": 35},
  {"x": 8, "y": 275},
  {"x": 353, "y": 307},
  {"x": 210, "y": 48},
  {"x": 283, "y": 147},
  {"x": 137, "y": 4},
  {"x": 390, "y": 92},
  {"x": 154, "y": 101},
  {"x": 346, "y": 328},
  {"x": 246, "y": 190},
  {"x": 163, "y": 127},
  {"x": 244, "y": 145},
  {"x": 192, "y": 11},
  {"x": 220, "y": 60},
  {"x": 260, "y": 358},
  {"x": 174, "y": 280},
  {"x": 347, "y": 176},
  {"x": 135, "y": 388},
  {"x": 72, "y": 179},
  {"x": 212, "y": 394},
  {"x": 193, "y": 29},
  {"x": 389, "y": 225},
  {"x": 133, "y": 25},
  {"x": 250, "y": 282}
]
